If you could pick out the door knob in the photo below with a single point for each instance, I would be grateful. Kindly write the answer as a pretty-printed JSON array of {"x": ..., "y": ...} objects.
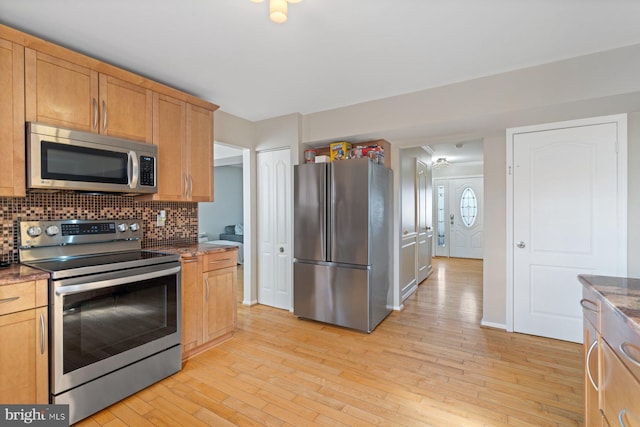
[
  {"x": 521, "y": 244},
  {"x": 281, "y": 249}
]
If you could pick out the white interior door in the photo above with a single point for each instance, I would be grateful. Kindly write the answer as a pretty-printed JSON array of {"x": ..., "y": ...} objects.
[
  {"x": 466, "y": 208},
  {"x": 567, "y": 220},
  {"x": 274, "y": 228}
]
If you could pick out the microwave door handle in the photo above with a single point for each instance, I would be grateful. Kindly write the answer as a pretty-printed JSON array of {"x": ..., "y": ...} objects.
[{"x": 133, "y": 170}]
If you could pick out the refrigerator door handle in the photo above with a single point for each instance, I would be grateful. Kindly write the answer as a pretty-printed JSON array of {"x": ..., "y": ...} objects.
[{"x": 328, "y": 212}]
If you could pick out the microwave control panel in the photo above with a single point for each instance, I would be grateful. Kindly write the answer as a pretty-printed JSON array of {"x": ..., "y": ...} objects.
[{"x": 147, "y": 171}]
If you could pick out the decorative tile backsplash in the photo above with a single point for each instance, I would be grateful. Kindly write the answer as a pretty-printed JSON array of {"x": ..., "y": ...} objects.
[{"x": 181, "y": 226}]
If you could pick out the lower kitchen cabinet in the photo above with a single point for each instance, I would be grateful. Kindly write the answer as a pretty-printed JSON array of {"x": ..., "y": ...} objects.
[
  {"x": 220, "y": 303},
  {"x": 612, "y": 358},
  {"x": 208, "y": 300},
  {"x": 24, "y": 356}
]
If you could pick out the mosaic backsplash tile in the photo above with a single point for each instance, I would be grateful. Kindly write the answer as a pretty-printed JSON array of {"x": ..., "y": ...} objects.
[{"x": 181, "y": 226}]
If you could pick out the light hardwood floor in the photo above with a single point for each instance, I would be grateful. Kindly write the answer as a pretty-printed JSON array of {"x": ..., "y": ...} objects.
[{"x": 429, "y": 365}]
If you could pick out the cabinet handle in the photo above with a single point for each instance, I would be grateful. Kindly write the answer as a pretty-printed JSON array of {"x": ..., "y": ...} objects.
[
  {"x": 190, "y": 186},
  {"x": 593, "y": 383},
  {"x": 583, "y": 304},
  {"x": 621, "y": 415},
  {"x": 41, "y": 333},
  {"x": 104, "y": 115},
  {"x": 627, "y": 355},
  {"x": 186, "y": 187},
  {"x": 95, "y": 113},
  {"x": 2, "y": 301},
  {"x": 206, "y": 280}
]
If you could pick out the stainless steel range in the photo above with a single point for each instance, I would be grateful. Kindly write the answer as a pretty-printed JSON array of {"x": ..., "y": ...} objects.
[{"x": 114, "y": 310}]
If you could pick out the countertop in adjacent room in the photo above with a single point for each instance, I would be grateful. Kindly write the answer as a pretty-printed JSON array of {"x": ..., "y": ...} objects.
[
  {"x": 622, "y": 293},
  {"x": 17, "y": 273},
  {"x": 196, "y": 249}
]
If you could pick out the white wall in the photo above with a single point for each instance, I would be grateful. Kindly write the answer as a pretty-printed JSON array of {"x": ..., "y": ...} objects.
[
  {"x": 459, "y": 169},
  {"x": 591, "y": 85},
  {"x": 227, "y": 207},
  {"x": 513, "y": 98},
  {"x": 633, "y": 206},
  {"x": 495, "y": 232}
]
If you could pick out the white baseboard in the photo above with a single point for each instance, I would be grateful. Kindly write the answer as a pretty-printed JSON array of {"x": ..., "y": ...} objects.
[
  {"x": 493, "y": 325},
  {"x": 253, "y": 302}
]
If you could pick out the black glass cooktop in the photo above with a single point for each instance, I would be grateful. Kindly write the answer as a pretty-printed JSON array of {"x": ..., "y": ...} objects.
[{"x": 75, "y": 266}]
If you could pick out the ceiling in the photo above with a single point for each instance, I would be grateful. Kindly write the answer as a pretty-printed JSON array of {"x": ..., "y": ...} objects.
[{"x": 330, "y": 53}]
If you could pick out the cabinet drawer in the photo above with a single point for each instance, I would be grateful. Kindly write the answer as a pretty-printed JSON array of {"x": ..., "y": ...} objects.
[
  {"x": 591, "y": 306},
  {"x": 619, "y": 390},
  {"x": 17, "y": 297},
  {"x": 622, "y": 337},
  {"x": 217, "y": 260}
]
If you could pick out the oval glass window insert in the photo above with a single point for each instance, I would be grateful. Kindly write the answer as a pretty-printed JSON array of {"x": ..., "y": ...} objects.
[{"x": 468, "y": 207}]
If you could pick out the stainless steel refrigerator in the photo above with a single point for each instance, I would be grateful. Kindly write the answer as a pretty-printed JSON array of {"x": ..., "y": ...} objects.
[{"x": 342, "y": 243}]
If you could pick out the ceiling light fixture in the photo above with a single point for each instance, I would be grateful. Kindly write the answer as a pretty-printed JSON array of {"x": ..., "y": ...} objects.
[
  {"x": 278, "y": 9},
  {"x": 441, "y": 163}
]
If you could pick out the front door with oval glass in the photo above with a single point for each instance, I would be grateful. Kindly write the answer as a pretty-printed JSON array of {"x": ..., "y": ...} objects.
[{"x": 459, "y": 210}]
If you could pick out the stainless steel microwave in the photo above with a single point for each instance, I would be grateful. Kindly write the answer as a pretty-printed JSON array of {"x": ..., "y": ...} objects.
[{"x": 64, "y": 159}]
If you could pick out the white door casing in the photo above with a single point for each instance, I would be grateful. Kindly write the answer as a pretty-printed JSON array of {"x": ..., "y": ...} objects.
[
  {"x": 566, "y": 199},
  {"x": 274, "y": 228}
]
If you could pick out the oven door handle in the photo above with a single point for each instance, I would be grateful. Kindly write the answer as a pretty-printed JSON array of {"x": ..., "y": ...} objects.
[{"x": 84, "y": 287}]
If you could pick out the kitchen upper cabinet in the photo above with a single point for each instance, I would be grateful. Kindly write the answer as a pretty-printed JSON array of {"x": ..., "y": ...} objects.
[
  {"x": 12, "y": 148},
  {"x": 184, "y": 136},
  {"x": 62, "y": 93},
  {"x": 126, "y": 109},
  {"x": 169, "y": 134},
  {"x": 24, "y": 359},
  {"x": 200, "y": 153}
]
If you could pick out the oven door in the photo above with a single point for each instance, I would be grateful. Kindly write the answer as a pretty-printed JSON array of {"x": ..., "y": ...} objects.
[{"x": 106, "y": 321}]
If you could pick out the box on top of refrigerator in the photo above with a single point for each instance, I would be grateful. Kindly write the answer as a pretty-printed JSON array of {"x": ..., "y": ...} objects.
[{"x": 339, "y": 150}]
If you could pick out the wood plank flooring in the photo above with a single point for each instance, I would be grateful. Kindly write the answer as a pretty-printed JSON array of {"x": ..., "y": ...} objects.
[{"x": 429, "y": 365}]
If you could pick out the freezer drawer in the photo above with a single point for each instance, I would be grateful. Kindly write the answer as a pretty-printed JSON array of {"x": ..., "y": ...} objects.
[{"x": 332, "y": 294}]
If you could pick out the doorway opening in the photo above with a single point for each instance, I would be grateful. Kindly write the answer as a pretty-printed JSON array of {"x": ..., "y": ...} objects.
[
  {"x": 458, "y": 199},
  {"x": 223, "y": 220}
]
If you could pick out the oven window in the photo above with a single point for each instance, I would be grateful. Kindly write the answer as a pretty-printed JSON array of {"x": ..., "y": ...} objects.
[
  {"x": 73, "y": 163},
  {"x": 105, "y": 322}
]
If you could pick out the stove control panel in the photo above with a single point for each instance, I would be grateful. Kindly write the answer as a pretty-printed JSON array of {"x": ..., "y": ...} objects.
[{"x": 68, "y": 232}]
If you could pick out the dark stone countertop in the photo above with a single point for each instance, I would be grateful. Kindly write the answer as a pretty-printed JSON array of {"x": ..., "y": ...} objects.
[
  {"x": 196, "y": 249},
  {"x": 17, "y": 273},
  {"x": 622, "y": 293}
]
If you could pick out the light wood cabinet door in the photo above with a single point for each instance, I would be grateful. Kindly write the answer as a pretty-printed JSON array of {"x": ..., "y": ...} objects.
[
  {"x": 184, "y": 136},
  {"x": 24, "y": 357},
  {"x": 200, "y": 154},
  {"x": 60, "y": 93},
  {"x": 219, "y": 314},
  {"x": 191, "y": 304},
  {"x": 169, "y": 134},
  {"x": 12, "y": 146},
  {"x": 591, "y": 373},
  {"x": 126, "y": 110},
  {"x": 619, "y": 390}
]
